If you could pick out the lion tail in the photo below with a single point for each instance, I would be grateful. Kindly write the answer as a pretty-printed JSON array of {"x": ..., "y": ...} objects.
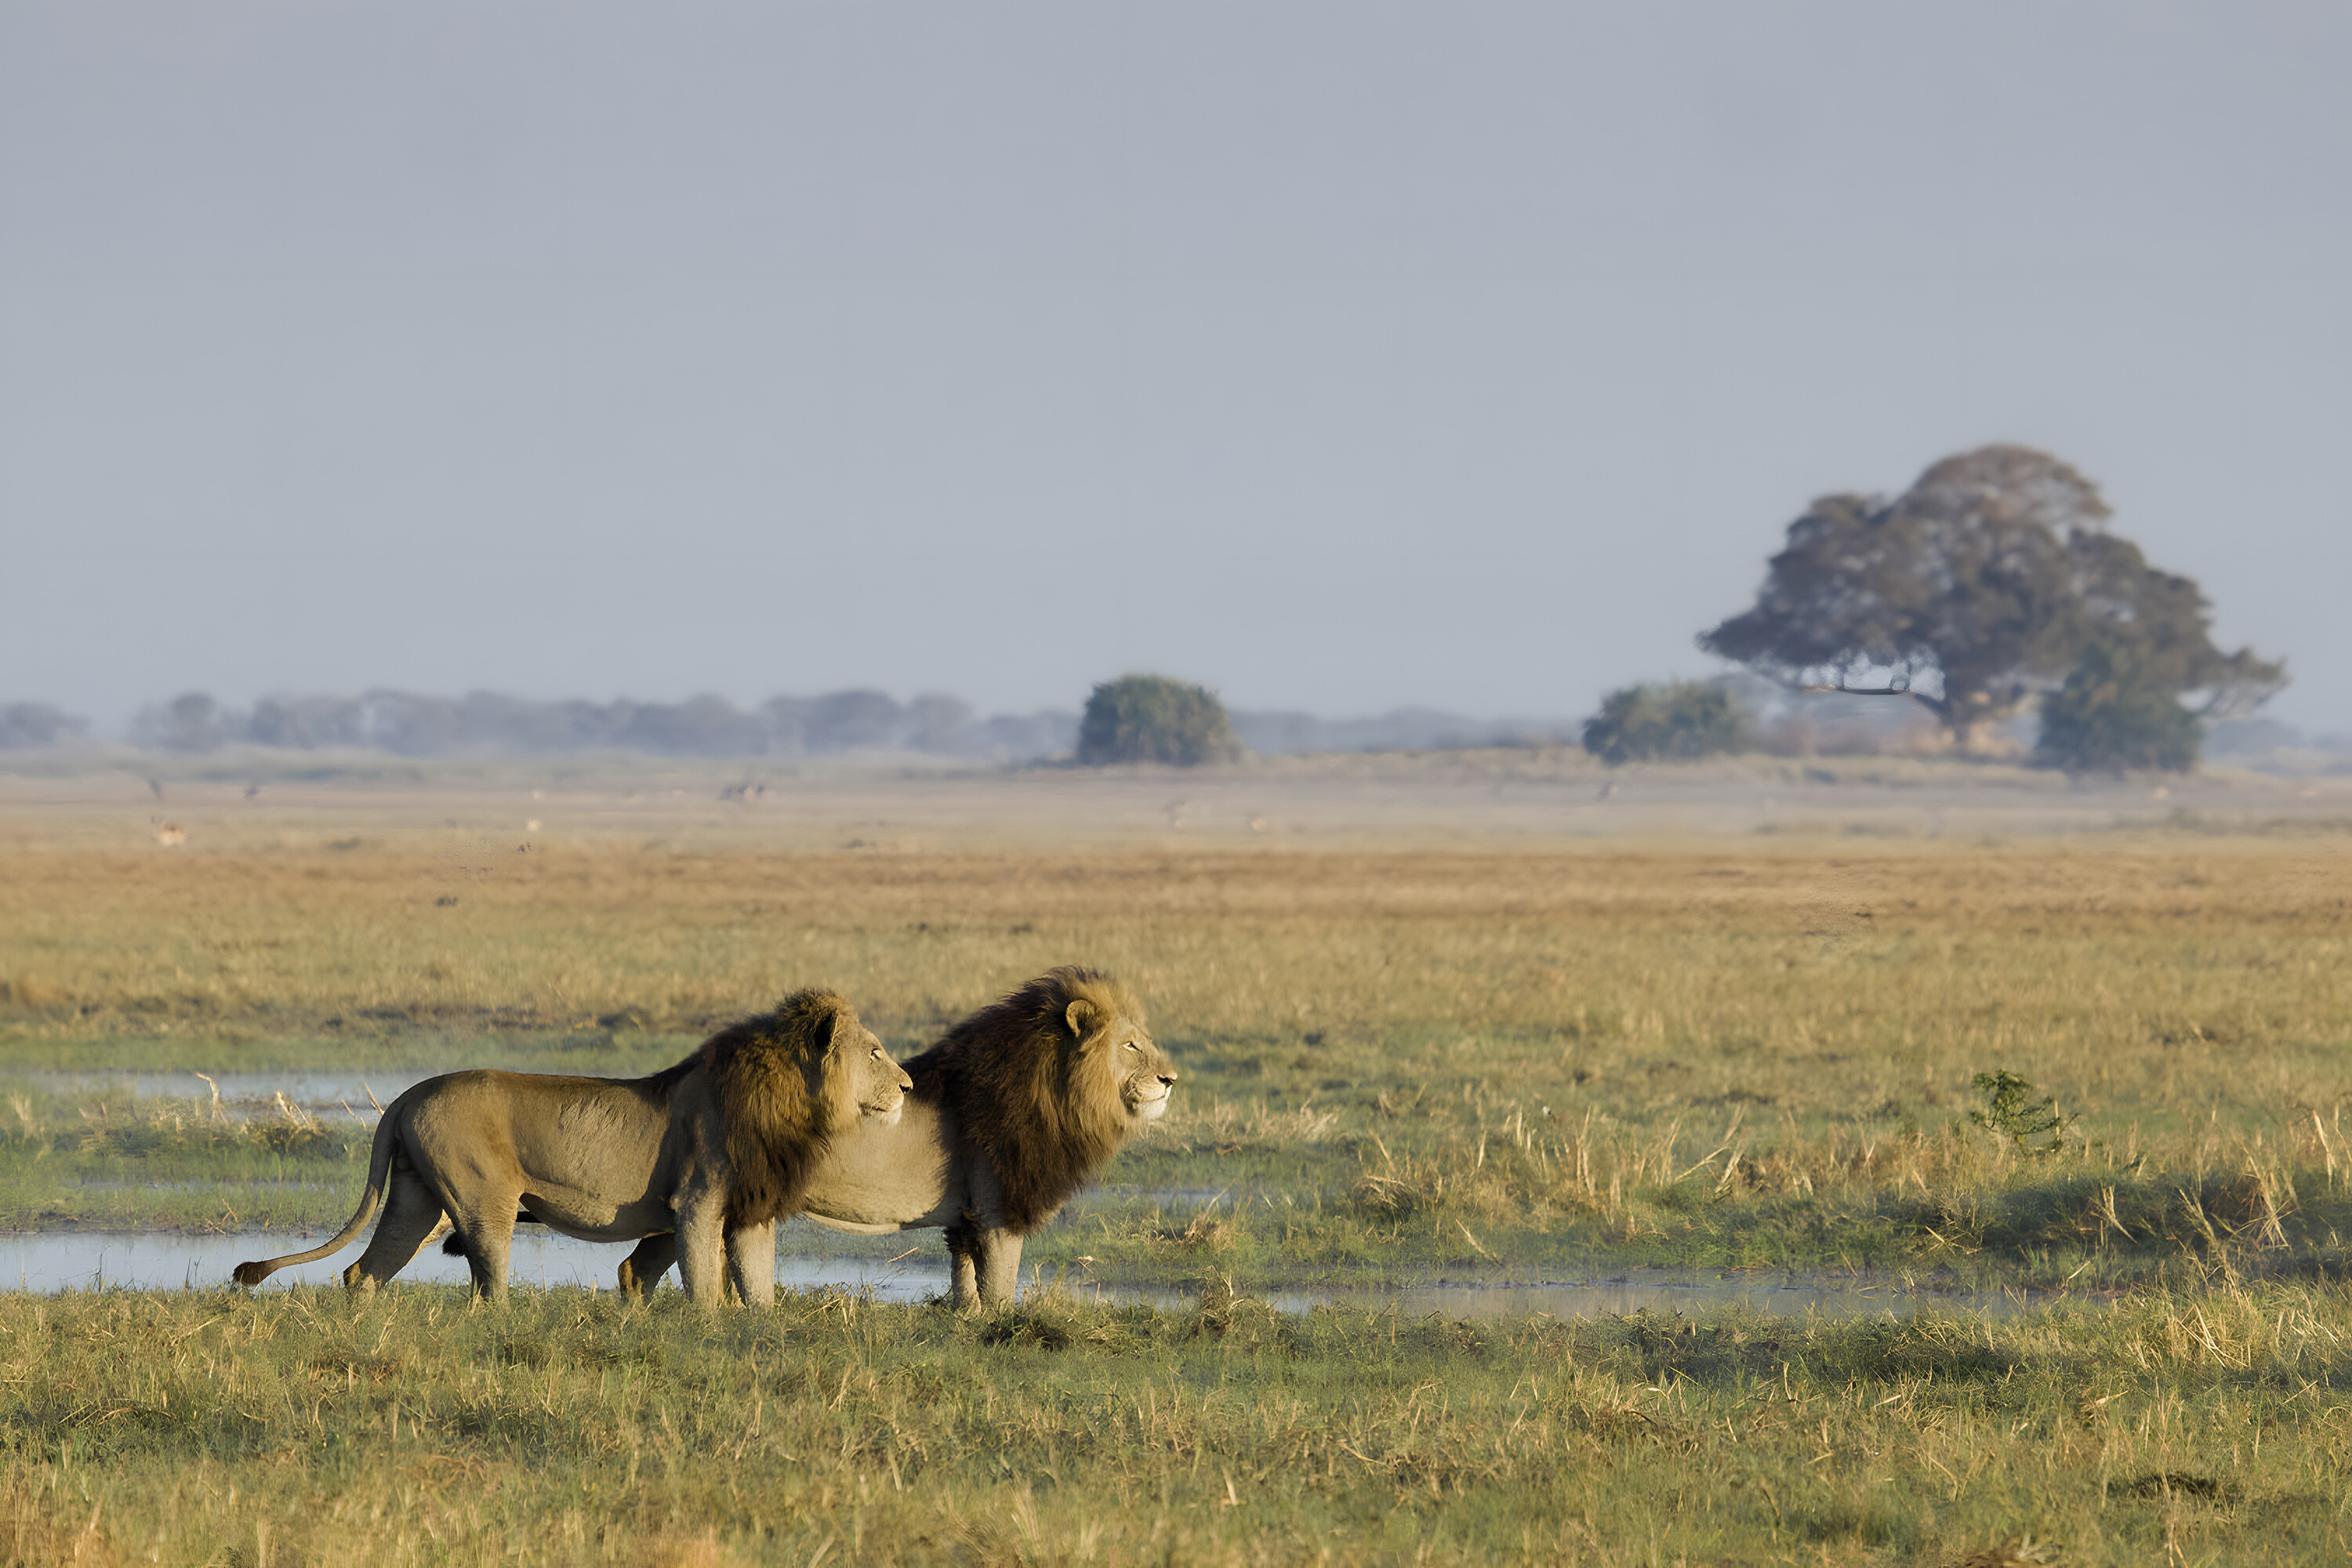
[{"x": 371, "y": 1199}]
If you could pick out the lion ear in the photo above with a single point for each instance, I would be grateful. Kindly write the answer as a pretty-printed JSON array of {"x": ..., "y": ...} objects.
[{"x": 1081, "y": 1016}]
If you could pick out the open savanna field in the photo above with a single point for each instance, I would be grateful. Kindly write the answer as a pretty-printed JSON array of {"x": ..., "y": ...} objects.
[{"x": 1461, "y": 1019}]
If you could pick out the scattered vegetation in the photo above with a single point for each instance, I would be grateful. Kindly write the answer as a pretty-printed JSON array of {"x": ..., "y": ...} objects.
[
  {"x": 1151, "y": 719},
  {"x": 111, "y": 1161}
]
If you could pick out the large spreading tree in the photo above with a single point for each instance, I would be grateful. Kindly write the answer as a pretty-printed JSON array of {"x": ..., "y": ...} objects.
[{"x": 1990, "y": 581}]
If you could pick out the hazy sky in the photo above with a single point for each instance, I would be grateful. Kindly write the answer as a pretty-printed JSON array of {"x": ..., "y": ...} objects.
[{"x": 1340, "y": 356}]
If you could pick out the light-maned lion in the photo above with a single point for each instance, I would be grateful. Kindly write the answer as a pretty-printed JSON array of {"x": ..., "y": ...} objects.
[
  {"x": 1012, "y": 1113},
  {"x": 722, "y": 1144}
]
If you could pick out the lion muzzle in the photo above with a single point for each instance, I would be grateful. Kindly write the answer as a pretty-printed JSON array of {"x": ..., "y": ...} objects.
[
  {"x": 889, "y": 1111},
  {"x": 1151, "y": 1098}
]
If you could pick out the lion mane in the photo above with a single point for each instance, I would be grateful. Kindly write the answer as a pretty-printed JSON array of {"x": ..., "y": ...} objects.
[
  {"x": 723, "y": 1142},
  {"x": 1049, "y": 1115},
  {"x": 779, "y": 1105}
]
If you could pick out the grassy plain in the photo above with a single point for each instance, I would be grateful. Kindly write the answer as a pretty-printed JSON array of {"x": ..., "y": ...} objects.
[
  {"x": 1482, "y": 1048},
  {"x": 207, "y": 1427}
]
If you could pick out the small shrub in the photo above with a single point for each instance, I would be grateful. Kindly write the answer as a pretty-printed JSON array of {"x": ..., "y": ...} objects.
[
  {"x": 2112, "y": 715},
  {"x": 1151, "y": 719},
  {"x": 2009, "y": 1111},
  {"x": 1679, "y": 720}
]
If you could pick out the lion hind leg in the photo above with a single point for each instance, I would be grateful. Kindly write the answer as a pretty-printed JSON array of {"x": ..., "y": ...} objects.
[
  {"x": 382, "y": 1159},
  {"x": 963, "y": 1244},
  {"x": 489, "y": 1231},
  {"x": 642, "y": 1269},
  {"x": 411, "y": 1217}
]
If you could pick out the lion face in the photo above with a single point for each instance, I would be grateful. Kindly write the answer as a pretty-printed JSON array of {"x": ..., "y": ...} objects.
[
  {"x": 1118, "y": 1049},
  {"x": 878, "y": 1083}
]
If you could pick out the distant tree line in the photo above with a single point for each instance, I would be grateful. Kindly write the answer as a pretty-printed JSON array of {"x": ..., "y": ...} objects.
[
  {"x": 25, "y": 726},
  {"x": 410, "y": 725},
  {"x": 1399, "y": 730},
  {"x": 407, "y": 724},
  {"x": 1989, "y": 595}
]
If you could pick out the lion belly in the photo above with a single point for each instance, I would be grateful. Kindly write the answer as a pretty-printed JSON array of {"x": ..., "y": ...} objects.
[
  {"x": 856, "y": 1226},
  {"x": 591, "y": 1158},
  {"x": 594, "y": 1216}
]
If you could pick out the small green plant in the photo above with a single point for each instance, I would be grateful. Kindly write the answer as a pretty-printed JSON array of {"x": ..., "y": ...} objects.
[
  {"x": 1151, "y": 719},
  {"x": 1677, "y": 722},
  {"x": 2009, "y": 1111}
]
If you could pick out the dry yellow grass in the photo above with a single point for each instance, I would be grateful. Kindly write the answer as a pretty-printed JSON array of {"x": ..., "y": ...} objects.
[{"x": 2166, "y": 971}]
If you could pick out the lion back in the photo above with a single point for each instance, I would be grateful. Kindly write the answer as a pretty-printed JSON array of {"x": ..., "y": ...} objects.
[
  {"x": 1011, "y": 1076},
  {"x": 774, "y": 1089}
]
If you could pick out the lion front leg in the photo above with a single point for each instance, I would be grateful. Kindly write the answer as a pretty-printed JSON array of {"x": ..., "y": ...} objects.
[
  {"x": 751, "y": 1264},
  {"x": 986, "y": 1265},
  {"x": 701, "y": 1240},
  {"x": 999, "y": 1268}
]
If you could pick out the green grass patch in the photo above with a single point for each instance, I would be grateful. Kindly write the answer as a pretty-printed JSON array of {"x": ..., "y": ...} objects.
[{"x": 568, "y": 1426}]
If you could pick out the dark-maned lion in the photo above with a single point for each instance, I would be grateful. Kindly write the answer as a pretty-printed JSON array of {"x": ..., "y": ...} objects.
[
  {"x": 1012, "y": 1113},
  {"x": 723, "y": 1142}
]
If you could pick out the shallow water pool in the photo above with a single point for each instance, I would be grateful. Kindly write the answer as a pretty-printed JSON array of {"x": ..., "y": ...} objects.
[{"x": 50, "y": 1261}]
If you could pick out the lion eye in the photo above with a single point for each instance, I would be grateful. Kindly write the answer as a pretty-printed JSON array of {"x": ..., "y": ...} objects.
[{"x": 1133, "y": 1047}]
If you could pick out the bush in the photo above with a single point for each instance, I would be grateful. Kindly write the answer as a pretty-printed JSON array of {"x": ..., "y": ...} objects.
[
  {"x": 2009, "y": 1110},
  {"x": 1151, "y": 719},
  {"x": 1682, "y": 720},
  {"x": 2110, "y": 716}
]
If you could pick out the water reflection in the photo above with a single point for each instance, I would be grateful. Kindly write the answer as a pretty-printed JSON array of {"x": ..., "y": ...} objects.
[
  {"x": 50, "y": 1261},
  {"x": 243, "y": 1094},
  {"x": 1788, "y": 1296}
]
